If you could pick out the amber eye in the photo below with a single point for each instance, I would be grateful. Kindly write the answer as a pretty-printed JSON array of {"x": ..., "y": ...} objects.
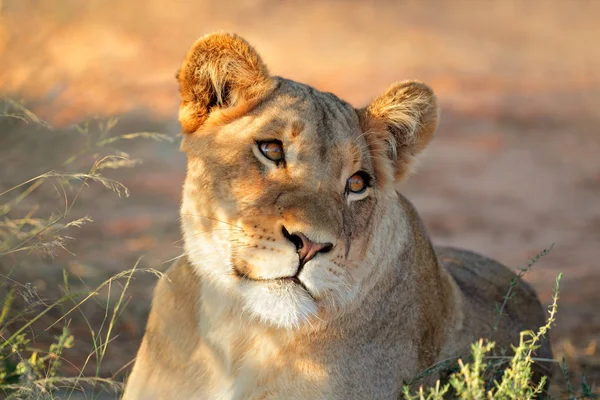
[
  {"x": 358, "y": 183},
  {"x": 273, "y": 150}
]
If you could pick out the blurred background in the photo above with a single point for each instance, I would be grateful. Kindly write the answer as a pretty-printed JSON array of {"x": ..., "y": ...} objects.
[{"x": 515, "y": 166}]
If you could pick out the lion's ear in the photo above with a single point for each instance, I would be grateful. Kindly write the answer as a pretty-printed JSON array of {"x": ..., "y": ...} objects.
[
  {"x": 401, "y": 122},
  {"x": 220, "y": 72}
]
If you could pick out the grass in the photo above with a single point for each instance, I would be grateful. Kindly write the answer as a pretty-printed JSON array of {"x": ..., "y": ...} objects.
[
  {"x": 488, "y": 376},
  {"x": 39, "y": 231},
  {"x": 476, "y": 379},
  {"x": 30, "y": 229}
]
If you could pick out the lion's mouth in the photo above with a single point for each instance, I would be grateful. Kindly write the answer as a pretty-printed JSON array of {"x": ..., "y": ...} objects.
[{"x": 291, "y": 279}]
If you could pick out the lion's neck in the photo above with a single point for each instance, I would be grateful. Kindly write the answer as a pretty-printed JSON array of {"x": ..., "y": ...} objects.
[{"x": 247, "y": 353}]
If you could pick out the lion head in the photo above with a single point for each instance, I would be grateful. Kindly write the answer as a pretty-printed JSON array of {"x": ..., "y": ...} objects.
[{"x": 289, "y": 207}]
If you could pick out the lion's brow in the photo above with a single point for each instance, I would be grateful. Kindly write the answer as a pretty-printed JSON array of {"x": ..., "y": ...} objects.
[{"x": 274, "y": 127}]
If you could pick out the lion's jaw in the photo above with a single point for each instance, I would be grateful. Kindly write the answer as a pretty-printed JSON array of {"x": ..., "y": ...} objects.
[{"x": 275, "y": 300}]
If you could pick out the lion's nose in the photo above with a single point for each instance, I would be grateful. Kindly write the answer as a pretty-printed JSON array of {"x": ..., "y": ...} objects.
[{"x": 306, "y": 248}]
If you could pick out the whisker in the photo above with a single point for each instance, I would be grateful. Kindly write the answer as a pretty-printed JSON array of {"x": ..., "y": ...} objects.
[
  {"x": 213, "y": 219},
  {"x": 205, "y": 231}
]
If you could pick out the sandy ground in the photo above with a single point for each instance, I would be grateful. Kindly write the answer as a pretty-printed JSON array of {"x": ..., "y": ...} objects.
[{"x": 513, "y": 169}]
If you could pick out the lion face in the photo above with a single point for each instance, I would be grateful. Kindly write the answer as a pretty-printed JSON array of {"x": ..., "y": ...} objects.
[{"x": 289, "y": 203}]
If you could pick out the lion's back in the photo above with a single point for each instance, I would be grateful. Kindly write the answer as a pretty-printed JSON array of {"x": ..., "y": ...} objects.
[{"x": 484, "y": 283}]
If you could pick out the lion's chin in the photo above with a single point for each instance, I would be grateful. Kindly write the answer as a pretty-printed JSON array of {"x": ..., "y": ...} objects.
[{"x": 283, "y": 304}]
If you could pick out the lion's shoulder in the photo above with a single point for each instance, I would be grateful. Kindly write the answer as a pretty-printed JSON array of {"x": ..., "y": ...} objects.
[{"x": 482, "y": 277}]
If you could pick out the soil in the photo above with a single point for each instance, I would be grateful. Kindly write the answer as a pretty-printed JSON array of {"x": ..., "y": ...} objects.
[{"x": 514, "y": 168}]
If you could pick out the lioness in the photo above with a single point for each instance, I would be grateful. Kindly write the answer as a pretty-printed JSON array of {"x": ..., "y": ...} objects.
[{"x": 306, "y": 274}]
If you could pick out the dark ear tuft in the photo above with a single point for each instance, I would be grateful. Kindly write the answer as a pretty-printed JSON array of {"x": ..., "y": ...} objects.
[
  {"x": 404, "y": 118},
  {"x": 221, "y": 71}
]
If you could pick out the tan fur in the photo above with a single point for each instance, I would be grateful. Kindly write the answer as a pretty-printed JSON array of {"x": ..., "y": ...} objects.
[{"x": 356, "y": 322}]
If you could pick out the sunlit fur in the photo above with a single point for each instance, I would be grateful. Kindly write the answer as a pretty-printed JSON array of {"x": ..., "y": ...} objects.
[{"x": 356, "y": 322}]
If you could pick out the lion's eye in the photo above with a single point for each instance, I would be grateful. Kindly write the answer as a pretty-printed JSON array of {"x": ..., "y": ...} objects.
[
  {"x": 273, "y": 150},
  {"x": 358, "y": 183}
]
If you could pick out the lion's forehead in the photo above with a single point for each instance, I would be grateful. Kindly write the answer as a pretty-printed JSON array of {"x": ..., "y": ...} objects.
[
  {"x": 321, "y": 114},
  {"x": 317, "y": 128}
]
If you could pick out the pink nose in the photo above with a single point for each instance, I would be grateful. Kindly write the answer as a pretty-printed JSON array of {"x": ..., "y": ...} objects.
[{"x": 306, "y": 248}]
